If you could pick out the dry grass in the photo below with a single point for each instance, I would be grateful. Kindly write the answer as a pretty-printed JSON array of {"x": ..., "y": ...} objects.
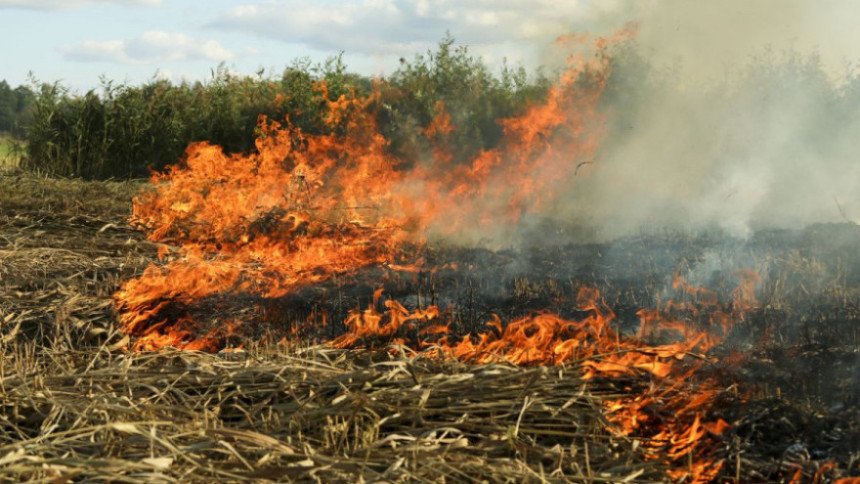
[
  {"x": 303, "y": 416},
  {"x": 76, "y": 407}
]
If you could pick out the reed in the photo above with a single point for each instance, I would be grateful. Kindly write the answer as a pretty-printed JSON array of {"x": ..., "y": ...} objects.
[{"x": 123, "y": 130}]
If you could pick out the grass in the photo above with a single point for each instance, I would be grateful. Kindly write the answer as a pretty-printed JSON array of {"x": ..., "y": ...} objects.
[
  {"x": 10, "y": 152},
  {"x": 75, "y": 406}
]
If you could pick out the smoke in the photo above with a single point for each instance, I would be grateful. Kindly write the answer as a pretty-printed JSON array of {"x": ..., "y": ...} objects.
[
  {"x": 710, "y": 37},
  {"x": 734, "y": 114}
]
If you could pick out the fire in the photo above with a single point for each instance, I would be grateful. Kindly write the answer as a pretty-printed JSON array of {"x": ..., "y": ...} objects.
[
  {"x": 671, "y": 417},
  {"x": 306, "y": 208}
]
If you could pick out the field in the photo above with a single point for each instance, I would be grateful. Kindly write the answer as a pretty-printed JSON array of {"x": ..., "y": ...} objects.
[{"x": 78, "y": 406}]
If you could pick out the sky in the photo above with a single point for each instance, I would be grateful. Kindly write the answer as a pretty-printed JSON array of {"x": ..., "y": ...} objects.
[{"x": 77, "y": 42}]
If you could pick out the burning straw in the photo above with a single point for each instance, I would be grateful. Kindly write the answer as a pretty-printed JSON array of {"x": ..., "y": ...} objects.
[
  {"x": 307, "y": 208},
  {"x": 75, "y": 407},
  {"x": 310, "y": 207}
]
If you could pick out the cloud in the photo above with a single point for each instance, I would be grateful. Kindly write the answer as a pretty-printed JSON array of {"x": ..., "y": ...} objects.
[
  {"x": 150, "y": 47},
  {"x": 72, "y": 4},
  {"x": 404, "y": 26}
]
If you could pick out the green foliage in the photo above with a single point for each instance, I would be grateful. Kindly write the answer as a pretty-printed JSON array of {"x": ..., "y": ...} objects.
[
  {"x": 125, "y": 131},
  {"x": 471, "y": 94},
  {"x": 10, "y": 152},
  {"x": 14, "y": 108}
]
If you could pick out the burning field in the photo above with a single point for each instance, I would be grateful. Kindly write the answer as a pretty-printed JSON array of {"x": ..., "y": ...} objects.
[{"x": 325, "y": 310}]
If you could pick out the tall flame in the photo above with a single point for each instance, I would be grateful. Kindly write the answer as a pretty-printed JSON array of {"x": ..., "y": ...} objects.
[{"x": 307, "y": 207}]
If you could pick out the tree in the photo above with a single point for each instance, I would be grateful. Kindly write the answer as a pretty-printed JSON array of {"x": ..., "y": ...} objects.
[{"x": 15, "y": 106}]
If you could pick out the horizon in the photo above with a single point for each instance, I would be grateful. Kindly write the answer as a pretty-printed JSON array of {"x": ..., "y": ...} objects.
[{"x": 79, "y": 42}]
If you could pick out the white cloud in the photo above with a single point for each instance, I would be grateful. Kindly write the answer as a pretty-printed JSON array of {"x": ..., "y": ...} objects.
[
  {"x": 72, "y": 4},
  {"x": 182, "y": 76},
  {"x": 150, "y": 47},
  {"x": 92, "y": 51},
  {"x": 399, "y": 26}
]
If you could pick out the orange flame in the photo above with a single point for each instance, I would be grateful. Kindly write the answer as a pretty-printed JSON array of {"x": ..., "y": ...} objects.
[
  {"x": 670, "y": 416},
  {"x": 306, "y": 208}
]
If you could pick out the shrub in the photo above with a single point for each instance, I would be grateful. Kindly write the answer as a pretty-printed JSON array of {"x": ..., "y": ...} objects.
[{"x": 125, "y": 131}]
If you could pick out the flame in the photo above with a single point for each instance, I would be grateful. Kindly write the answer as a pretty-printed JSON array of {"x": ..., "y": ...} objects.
[
  {"x": 306, "y": 208},
  {"x": 671, "y": 416}
]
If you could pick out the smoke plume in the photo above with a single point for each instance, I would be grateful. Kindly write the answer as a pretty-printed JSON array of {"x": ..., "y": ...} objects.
[{"x": 734, "y": 115}]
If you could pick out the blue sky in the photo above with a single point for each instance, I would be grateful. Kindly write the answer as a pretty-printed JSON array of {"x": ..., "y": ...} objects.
[{"x": 78, "y": 41}]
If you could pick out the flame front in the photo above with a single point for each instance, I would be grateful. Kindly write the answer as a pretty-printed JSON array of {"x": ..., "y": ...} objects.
[
  {"x": 306, "y": 208},
  {"x": 672, "y": 417}
]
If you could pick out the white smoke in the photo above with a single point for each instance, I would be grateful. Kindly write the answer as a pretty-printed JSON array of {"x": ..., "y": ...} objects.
[{"x": 730, "y": 114}]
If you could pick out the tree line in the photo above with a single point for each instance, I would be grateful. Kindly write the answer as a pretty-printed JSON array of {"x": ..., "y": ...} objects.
[
  {"x": 15, "y": 112},
  {"x": 122, "y": 130}
]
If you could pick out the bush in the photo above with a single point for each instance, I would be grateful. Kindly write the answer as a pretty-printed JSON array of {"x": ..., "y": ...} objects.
[
  {"x": 14, "y": 109},
  {"x": 453, "y": 80},
  {"x": 125, "y": 131}
]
